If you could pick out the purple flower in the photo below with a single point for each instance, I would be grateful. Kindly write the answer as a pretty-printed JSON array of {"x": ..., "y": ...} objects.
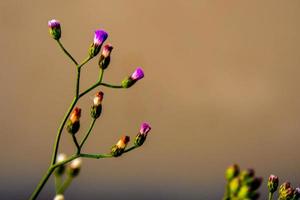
[
  {"x": 53, "y": 23},
  {"x": 54, "y": 29},
  {"x": 137, "y": 74},
  {"x": 145, "y": 128},
  {"x": 100, "y": 37},
  {"x": 297, "y": 192}
]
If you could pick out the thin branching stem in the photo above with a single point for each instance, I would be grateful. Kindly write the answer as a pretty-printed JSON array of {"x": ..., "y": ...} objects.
[
  {"x": 87, "y": 134},
  {"x": 66, "y": 52},
  {"x": 111, "y": 86}
]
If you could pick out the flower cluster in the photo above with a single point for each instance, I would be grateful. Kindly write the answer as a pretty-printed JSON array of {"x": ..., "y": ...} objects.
[
  {"x": 286, "y": 191},
  {"x": 66, "y": 168},
  {"x": 241, "y": 185}
]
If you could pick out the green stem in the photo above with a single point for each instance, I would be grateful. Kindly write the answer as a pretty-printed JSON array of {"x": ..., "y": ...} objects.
[
  {"x": 65, "y": 185},
  {"x": 57, "y": 180},
  {"x": 56, "y": 144},
  {"x": 111, "y": 86},
  {"x": 66, "y": 52},
  {"x": 270, "y": 196},
  {"x": 130, "y": 149},
  {"x": 48, "y": 173},
  {"x": 87, "y": 134},
  {"x": 41, "y": 184},
  {"x": 76, "y": 143},
  {"x": 77, "y": 82},
  {"x": 95, "y": 85},
  {"x": 96, "y": 156}
]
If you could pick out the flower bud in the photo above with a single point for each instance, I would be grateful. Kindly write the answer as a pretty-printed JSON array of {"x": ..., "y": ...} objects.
[
  {"x": 244, "y": 192},
  {"x": 73, "y": 123},
  {"x": 234, "y": 186},
  {"x": 232, "y": 172},
  {"x": 74, "y": 167},
  {"x": 104, "y": 59},
  {"x": 54, "y": 29},
  {"x": 255, "y": 183},
  {"x": 61, "y": 169},
  {"x": 273, "y": 183},
  {"x": 96, "y": 108},
  {"x": 286, "y": 192},
  {"x": 99, "y": 37},
  {"x": 246, "y": 176},
  {"x": 136, "y": 75},
  {"x": 59, "y": 197},
  {"x": 142, "y": 135},
  {"x": 118, "y": 149}
]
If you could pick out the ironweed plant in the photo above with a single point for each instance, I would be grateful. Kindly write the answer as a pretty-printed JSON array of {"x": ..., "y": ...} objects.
[
  {"x": 66, "y": 168},
  {"x": 243, "y": 185}
]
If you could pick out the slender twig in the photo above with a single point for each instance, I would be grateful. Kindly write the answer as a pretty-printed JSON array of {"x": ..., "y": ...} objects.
[
  {"x": 87, "y": 134},
  {"x": 65, "y": 185},
  {"x": 60, "y": 129},
  {"x": 66, "y": 52},
  {"x": 270, "y": 196},
  {"x": 96, "y": 156},
  {"x": 98, "y": 83},
  {"x": 76, "y": 143},
  {"x": 58, "y": 182},
  {"x": 111, "y": 86},
  {"x": 130, "y": 149}
]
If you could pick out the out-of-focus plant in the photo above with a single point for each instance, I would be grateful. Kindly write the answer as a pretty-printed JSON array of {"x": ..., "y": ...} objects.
[
  {"x": 66, "y": 168},
  {"x": 243, "y": 185},
  {"x": 286, "y": 191}
]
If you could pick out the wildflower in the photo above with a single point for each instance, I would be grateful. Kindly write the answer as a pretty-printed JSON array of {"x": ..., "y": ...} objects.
[
  {"x": 54, "y": 29},
  {"x": 74, "y": 167},
  {"x": 73, "y": 123},
  {"x": 60, "y": 158},
  {"x": 286, "y": 192},
  {"x": 59, "y": 197},
  {"x": 118, "y": 149},
  {"x": 136, "y": 75},
  {"x": 142, "y": 135},
  {"x": 273, "y": 183},
  {"x": 99, "y": 37},
  {"x": 96, "y": 108},
  {"x": 231, "y": 172},
  {"x": 104, "y": 59}
]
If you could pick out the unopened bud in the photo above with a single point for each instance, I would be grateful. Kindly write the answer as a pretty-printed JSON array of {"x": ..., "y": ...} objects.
[
  {"x": 234, "y": 186},
  {"x": 73, "y": 123},
  {"x": 74, "y": 167},
  {"x": 232, "y": 172},
  {"x": 104, "y": 59},
  {"x": 96, "y": 108},
  {"x": 118, "y": 149},
  {"x": 273, "y": 183},
  {"x": 244, "y": 192},
  {"x": 59, "y": 197},
  {"x": 61, "y": 169},
  {"x": 246, "y": 176},
  {"x": 142, "y": 135},
  {"x": 255, "y": 183},
  {"x": 286, "y": 192},
  {"x": 99, "y": 37},
  {"x": 136, "y": 75},
  {"x": 54, "y": 29}
]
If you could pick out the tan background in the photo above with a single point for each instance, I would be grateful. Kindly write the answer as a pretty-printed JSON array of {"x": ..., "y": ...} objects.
[{"x": 221, "y": 86}]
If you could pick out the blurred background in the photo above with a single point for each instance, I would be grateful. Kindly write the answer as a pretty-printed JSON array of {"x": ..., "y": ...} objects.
[{"x": 221, "y": 86}]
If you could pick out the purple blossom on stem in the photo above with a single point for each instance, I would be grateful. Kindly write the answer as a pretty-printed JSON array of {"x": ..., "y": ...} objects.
[
  {"x": 137, "y": 74},
  {"x": 100, "y": 37},
  {"x": 145, "y": 128},
  {"x": 53, "y": 24}
]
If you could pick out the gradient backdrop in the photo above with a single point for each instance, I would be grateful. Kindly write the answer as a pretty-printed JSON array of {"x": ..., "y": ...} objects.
[{"x": 221, "y": 86}]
